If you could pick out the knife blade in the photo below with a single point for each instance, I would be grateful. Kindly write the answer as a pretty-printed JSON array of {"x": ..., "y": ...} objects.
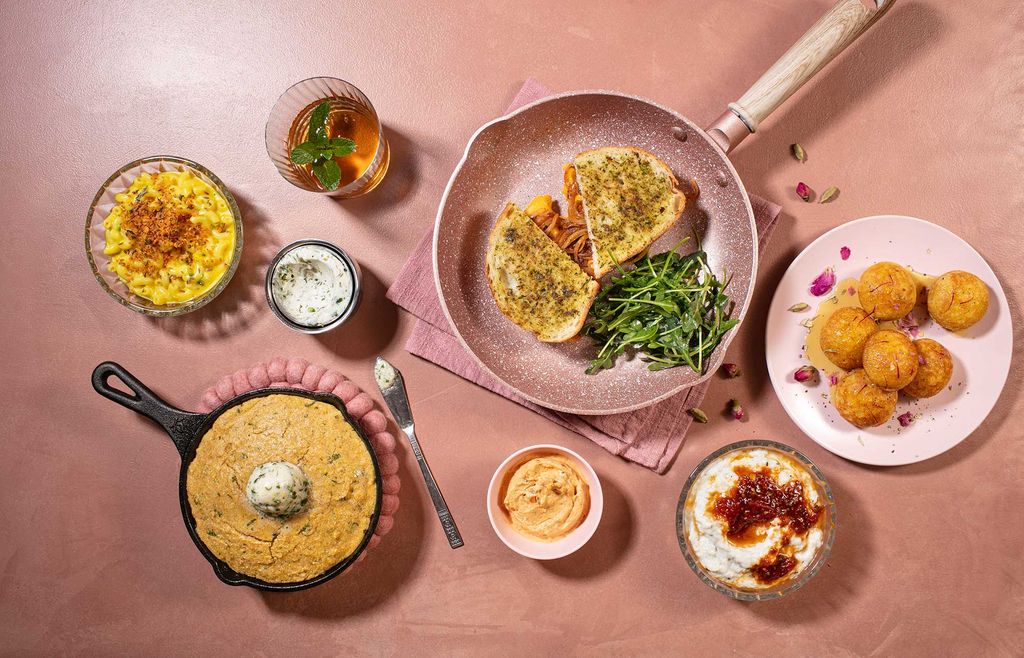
[{"x": 392, "y": 388}]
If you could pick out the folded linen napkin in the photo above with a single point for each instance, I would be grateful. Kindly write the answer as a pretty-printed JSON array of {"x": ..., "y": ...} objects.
[{"x": 650, "y": 436}]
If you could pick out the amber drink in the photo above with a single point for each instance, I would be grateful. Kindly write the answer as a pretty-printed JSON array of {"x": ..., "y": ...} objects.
[{"x": 351, "y": 116}]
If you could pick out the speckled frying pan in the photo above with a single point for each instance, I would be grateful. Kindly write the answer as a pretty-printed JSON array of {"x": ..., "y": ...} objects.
[
  {"x": 186, "y": 430},
  {"x": 521, "y": 155}
]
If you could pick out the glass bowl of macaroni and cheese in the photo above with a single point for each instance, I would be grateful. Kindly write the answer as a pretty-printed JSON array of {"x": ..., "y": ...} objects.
[{"x": 163, "y": 236}]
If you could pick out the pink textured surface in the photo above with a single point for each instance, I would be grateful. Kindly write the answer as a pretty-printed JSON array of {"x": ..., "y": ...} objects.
[
  {"x": 920, "y": 118},
  {"x": 300, "y": 373},
  {"x": 650, "y": 436}
]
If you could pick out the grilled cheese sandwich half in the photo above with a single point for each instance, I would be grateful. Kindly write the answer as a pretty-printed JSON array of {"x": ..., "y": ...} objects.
[
  {"x": 629, "y": 199},
  {"x": 535, "y": 284}
]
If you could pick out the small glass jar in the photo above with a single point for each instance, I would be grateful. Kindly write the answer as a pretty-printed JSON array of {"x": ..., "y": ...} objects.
[{"x": 352, "y": 116}]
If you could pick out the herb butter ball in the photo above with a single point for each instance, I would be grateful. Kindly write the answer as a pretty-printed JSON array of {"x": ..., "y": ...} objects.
[
  {"x": 887, "y": 291},
  {"x": 957, "y": 300},
  {"x": 890, "y": 360},
  {"x": 844, "y": 335},
  {"x": 278, "y": 489},
  {"x": 935, "y": 368},
  {"x": 862, "y": 403}
]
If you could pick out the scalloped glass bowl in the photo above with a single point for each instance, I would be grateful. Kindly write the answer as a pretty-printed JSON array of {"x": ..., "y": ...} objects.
[
  {"x": 95, "y": 234},
  {"x": 786, "y": 585}
]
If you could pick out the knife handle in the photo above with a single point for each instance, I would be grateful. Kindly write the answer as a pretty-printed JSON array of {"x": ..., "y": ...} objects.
[{"x": 451, "y": 531}]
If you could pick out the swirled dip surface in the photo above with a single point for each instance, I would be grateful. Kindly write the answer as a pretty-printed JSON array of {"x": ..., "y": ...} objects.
[
  {"x": 312, "y": 286},
  {"x": 342, "y": 490},
  {"x": 546, "y": 498},
  {"x": 755, "y": 518}
]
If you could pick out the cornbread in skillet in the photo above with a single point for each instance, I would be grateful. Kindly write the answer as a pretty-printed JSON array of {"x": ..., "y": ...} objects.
[
  {"x": 534, "y": 283},
  {"x": 630, "y": 198},
  {"x": 342, "y": 491}
]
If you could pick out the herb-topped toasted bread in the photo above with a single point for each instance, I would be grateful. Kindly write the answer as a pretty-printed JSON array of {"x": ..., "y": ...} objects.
[
  {"x": 534, "y": 283},
  {"x": 629, "y": 198}
]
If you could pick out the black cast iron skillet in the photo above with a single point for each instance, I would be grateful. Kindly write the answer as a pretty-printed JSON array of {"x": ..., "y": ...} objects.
[{"x": 186, "y": 430}]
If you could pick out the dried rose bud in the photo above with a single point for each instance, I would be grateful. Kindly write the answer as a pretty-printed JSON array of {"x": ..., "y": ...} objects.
[
  {"x": 731, "y": 370},
  {"x": 697, "y": 415},
  {"x": 833, "y": 379},
  {"x": 805, "y": 373},
  {"x": 824, "y": 282},
  {"x": 905, "y": 419},
  {"x": 803, "y": 191},
  {"x": 844, "y": 253},
  {"x": 736, "y": 410}
]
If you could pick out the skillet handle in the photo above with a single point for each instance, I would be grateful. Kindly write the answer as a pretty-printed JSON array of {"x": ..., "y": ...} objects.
[
  {"x": 833, "y": 32},
  {"x": 180, "y": 425}
]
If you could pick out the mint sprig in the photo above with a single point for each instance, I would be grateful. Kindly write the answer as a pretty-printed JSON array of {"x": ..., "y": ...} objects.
[{"x": 319, "y": 150}]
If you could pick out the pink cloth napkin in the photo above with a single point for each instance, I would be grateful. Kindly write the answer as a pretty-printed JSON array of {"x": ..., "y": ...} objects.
[{"x": 650, "y": 436}]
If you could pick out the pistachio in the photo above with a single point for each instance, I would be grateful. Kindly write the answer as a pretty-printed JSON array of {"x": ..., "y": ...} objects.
[{"x": 698, "y": 415}]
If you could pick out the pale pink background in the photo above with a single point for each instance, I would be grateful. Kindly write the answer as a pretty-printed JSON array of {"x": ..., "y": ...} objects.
[{"x": 921, "y": 118}]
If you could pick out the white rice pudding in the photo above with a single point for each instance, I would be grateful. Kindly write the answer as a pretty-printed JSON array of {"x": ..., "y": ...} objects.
[{"x": 733, "y": 562}]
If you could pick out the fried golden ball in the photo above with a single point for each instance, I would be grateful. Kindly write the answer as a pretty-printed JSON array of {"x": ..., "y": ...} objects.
[
  {"x": 935, "y": 368},
  {"x": 887, "y": 291},
  {"x": 890, "y": 359},
  {"x": 957, "y": 300},
  {"x": 862, "y": 403},
  {"x": 843, "y": 336}
]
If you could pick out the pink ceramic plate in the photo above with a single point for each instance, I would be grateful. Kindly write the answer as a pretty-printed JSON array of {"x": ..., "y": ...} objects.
[{"x": 981, "y": 354}]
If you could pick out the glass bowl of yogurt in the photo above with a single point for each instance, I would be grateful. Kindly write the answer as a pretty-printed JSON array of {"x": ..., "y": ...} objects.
[
  {"x": 313, "y": 286},
  {"x": 756, "y": 520}
]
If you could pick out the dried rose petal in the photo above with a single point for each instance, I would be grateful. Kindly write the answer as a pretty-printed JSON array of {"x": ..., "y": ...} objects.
[
  {"x": 844, "y": 253},
  {"x": 833, "y": 379},
  {"x": 920, "y": 360},
  {"x": 851, "y": 291},
  {"x": 805, "y": 373},
  {"x": 731, "y": 370},
  {"x": 905, "y": 419},
  {"x": 736, "y": 410},
  {"x": 908, "y": 325},
  {"x": 803, "y": 191},
  {"x": 824, "y": 282}
]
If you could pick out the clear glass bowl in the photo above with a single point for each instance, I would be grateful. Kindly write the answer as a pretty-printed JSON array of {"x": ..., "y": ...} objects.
[
  {"x": 95, "y": 234},
  {"x": 786, "y": 585},
  {"x": 283, "y": 133}
]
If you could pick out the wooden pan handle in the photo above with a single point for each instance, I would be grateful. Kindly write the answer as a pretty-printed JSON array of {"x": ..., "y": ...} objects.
[{"x": 833, "y": 32}]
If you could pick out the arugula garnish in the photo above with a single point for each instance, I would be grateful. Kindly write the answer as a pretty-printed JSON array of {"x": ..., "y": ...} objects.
[
  {"x": 319, "y": 150},
  {"x": 671, "y": 308}
]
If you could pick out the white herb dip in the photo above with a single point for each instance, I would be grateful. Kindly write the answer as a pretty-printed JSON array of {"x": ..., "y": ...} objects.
[{"x": 312, "y": 286}]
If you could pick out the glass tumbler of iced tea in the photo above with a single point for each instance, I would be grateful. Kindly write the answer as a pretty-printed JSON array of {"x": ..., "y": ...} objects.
[{"x": 351, "y": 116}]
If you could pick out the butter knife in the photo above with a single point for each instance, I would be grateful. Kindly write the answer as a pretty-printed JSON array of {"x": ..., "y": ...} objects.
[{"x": 392, "y": 387}]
